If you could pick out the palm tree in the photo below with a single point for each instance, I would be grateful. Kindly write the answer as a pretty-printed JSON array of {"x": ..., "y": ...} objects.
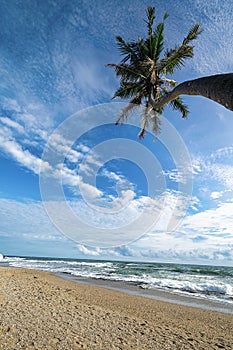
[
  {"x": 143, "y": 72},
  {"x": 218, "y": 88}
]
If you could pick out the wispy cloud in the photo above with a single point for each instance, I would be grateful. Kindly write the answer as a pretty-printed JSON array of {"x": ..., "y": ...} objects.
[
  {"x": 213, "y": 180},
  {"x": 215, "y": 221},
  {"x": 27, "y": 219},
  {"x": 216, "y": 20},
  {"x": 201, "y": 237},
  {"x": 23, "y": 157},
  {"x": 12, "y": 124},
  {"x": 193, "y": 254}
]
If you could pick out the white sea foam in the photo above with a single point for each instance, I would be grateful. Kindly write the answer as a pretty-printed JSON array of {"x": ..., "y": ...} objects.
[{"x": 203, "y": 282}]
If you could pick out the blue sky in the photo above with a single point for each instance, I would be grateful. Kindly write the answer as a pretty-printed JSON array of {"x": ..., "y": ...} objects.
[{"x": 75, "y": 185}]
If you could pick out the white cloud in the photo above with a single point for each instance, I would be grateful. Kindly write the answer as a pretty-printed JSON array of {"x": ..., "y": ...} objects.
[
  {"x": 89, "y": 191},
  {"x": 176, "y": 175},
  {"x": 99, "y": 222},
  {"x": 222, "y": 173},
  {"x": 215, "y": 195},
  {"x": 214, "y": 176},
  {"x": 194, "y": 203},
  {"x": 168, "y": 251},
  {"x": 89, "y": 251},
  {"x": 36, "y": 120},
  {"x": 12, "y": 124},
  {"x": 207, "y": 255},
  {"x": 11, "y": 104},
  {"x": 216, "y": 20},
  {"x": 216, "y": 221},
  {"x": 203, "y": 237},
  {"x": 66, "y": 176},
  {"x": 60, "y": 144},
  {"x": 197, "y": 165},
  {"x": 90, "y": 164},
  {"x": 74, "y": 156},
  {"x": 222, "y": 152},
  {"x": 83, "y": 148},
  {"x": 112, "y": 175},
  {"x": 23, "y": 157},
  {"x": 26, "y": 219}
]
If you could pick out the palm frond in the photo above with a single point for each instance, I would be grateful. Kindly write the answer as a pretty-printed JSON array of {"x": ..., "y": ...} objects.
[
  {"x": 133, "y": 103},
  {"x": 192, "y": 34},
  {"x": 155, "y": 122},
  {"x": 145, "y": 122},
  {"x": 155, "y": 42},
  {"x": 129, "y": 50},
  {"x": 159, "y": 44},
  {"x": 127, "y": 72},
  {"x": 125, "y": 113},
  {"x": 133, "y": 50},
  {"x": 128, "y": 90},
  {"x": 150, "y": 13},
  {"x": 178, "y": 104},
  {"x": 175, "y": 58},
  {"x": 137, "y": 100},
  {"x": 165, "y": 16},
  {"x": 143, "y": 51},
  {"x": 150, "y": 118},
  {"x": 131, "y": 90}
]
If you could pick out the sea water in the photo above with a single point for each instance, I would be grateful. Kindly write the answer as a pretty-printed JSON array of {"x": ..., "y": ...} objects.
[{"x": 213, "y": 283}]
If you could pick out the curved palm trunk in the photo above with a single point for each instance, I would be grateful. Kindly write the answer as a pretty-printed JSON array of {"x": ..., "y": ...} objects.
[{"x": 218, "y": 88}]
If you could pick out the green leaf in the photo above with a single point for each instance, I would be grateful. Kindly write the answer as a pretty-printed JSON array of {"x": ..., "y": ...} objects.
[
  {"x": 150, "y": 12},
  {"x": 142, "y": 71},
  {"x": 178, "y": 104},
  {"x": 192, "y": 34}
]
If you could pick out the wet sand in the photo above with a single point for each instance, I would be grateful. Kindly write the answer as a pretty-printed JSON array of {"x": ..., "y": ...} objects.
[
  {"x": 41, "y": 311},
  {"x": 157, "y": 294}
]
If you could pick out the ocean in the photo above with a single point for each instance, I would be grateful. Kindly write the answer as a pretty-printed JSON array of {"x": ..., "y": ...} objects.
[{"x": 201, "y": 282}]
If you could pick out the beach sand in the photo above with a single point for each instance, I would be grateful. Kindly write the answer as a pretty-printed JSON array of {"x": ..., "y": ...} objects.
[{"x": 42, "y": 311}]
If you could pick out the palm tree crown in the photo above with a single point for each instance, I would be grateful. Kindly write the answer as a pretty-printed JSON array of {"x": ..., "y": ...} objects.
[{"x": 143, "y": 69}]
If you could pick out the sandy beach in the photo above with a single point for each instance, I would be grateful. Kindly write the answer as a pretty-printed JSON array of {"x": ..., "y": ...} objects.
[{"x": 42, "y": 311}]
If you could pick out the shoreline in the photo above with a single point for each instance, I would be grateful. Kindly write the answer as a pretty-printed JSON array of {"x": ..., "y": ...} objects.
[
  {"x": 42, "y": 311},
  {"x": 179, "y": 284},
  {"x": 163, "y": 295},
  {"x": 154, "y": 294}
]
